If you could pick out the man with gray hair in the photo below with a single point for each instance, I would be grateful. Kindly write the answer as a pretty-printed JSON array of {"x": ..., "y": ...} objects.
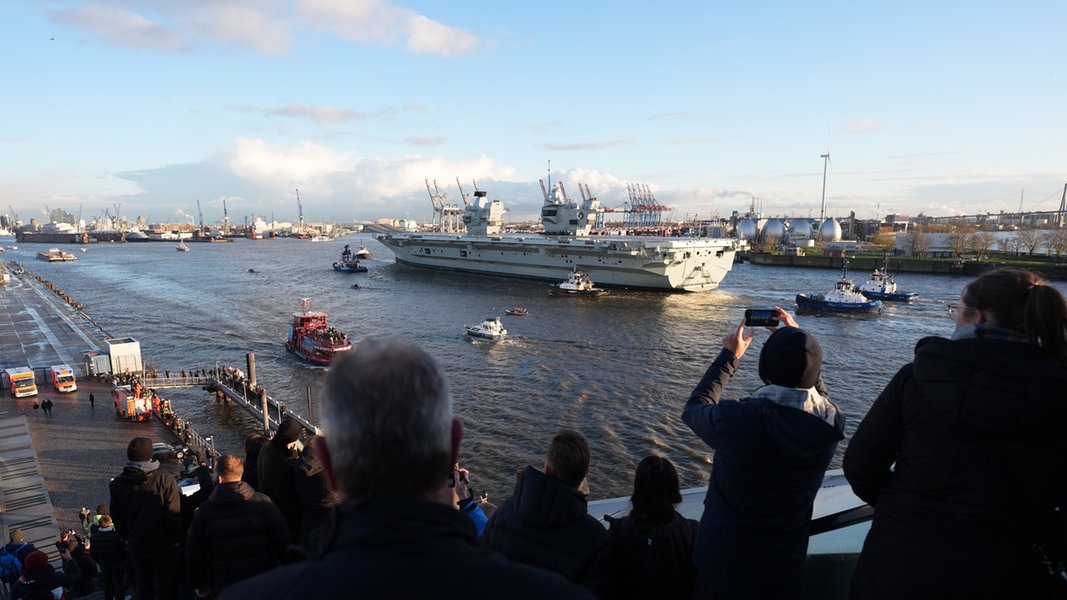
[{"x": 389, "y": 447}]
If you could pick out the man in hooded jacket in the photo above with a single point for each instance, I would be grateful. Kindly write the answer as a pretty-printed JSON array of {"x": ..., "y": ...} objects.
[
  {"x": 146, "y": 506},
  {"x": 771, "y": 452}
]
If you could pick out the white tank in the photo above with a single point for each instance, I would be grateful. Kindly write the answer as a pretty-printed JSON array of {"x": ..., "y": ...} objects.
[
  {"x": 800, "y": 228},
  {"x": 830, "y": 231},
  {"x": 747, "y": 230},
  {"x": 774, "y": 229}
]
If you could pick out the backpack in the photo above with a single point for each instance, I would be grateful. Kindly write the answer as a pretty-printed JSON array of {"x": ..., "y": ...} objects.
[{"x": 10, "y": 567}]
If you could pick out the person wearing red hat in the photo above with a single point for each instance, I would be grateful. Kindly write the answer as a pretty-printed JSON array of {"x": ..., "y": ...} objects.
[{"x": 39, "y": 575}]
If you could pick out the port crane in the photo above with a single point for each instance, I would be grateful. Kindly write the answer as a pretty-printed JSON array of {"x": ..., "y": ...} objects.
[
  {"x": 225, "y": 216},
  {"x": 201, "y": 211},
  {"x": 446, "y": 217}
]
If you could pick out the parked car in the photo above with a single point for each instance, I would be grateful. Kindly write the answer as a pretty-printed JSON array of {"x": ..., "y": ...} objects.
[{"x": 161, "y": 450}]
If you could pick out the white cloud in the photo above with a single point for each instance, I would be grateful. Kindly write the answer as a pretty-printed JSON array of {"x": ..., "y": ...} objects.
[
  {"x": 379, "y": 23},
  {"x": 258, "y": 160},
  {"x": 122, "y": 27},
  {"x": 268, "y": 26},
  {"x": 317, "y": 112},
  {"x": 863, "y": 126}
]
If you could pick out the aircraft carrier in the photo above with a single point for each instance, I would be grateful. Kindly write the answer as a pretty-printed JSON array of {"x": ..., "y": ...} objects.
[{"x": 640, "y": 262}]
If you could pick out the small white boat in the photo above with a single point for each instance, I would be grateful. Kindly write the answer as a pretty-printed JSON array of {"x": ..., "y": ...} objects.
[
  {"x": 518, "y": 311},
  {"x": 181, "y": 247},
  {"x": 577, "y": 284},
  {"x": 362, "y": 253},
  {"x": 489, "y": 329}
]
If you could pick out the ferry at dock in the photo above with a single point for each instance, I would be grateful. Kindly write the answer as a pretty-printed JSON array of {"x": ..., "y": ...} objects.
[{"x": 641, "y": 262}]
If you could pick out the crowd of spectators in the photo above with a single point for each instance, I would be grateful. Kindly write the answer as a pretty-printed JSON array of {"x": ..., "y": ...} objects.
[{"x": 377, "y": 506}]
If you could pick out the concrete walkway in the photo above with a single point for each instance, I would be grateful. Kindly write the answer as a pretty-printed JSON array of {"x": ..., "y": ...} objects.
[{"x": 51, "y": 467}]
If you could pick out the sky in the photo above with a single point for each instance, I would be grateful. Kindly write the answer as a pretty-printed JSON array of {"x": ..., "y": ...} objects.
[{"x": 149, "y": 107}]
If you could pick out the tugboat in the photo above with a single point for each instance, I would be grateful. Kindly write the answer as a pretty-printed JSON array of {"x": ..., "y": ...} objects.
[
  {"x": 349, "y": 263},
  {"x": 843, "y": 298},
  {"x": 489, "y": 329},
  {"x": 578, "y": 284},
  {"x": 362, "y": 253},
  {"x": 882, "y": 286},
  {"x": 312, "y": 339}
]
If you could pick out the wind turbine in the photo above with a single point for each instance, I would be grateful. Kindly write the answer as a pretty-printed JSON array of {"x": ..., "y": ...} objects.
[{"x": 825, "y": 164}]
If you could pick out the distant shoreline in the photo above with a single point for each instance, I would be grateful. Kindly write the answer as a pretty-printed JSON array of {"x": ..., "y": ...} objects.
[{"x": 1044, "y": 266}]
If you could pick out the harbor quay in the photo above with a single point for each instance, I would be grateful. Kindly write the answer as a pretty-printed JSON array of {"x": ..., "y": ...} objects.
[{"x": 55, "y": 463}]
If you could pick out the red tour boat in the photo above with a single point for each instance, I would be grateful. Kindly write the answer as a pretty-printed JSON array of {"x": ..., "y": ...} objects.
[{"x": 311, "y": 338}]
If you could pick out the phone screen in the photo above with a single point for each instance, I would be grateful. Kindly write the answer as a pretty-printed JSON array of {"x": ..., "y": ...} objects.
[{"x": 761, "y": 318}]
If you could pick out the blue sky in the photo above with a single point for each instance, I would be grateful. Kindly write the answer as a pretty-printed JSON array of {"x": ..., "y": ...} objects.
[{"x": 144, "y": 107}]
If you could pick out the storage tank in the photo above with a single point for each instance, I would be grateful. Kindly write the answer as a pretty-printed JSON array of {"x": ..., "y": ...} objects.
[
  {"x": 800, "y": 228},
  {"x": 774, "y": 230},
  {"x": 830, "y": 231},
  {"x": 747, "y": 230}
]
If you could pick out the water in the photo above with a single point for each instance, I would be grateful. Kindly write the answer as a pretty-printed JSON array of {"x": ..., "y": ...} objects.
[{"x": 618, "y": 368}]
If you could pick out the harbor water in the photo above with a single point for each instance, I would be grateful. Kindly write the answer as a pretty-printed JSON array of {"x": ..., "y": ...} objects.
[{"x": 618, "y": 368}]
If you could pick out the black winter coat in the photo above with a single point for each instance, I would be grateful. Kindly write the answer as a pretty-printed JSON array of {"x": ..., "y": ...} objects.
[
  {"x": 34, "y": 583},
  {"x": 547, "y": 524},
  {"x": 390, "y": 548},
  {"x": 769, "y": 463},
  {"x": 316, "y": 497},
  {"x": 653, "y": 560},
  {"x": 977, "y": 429},
  {"x": 107, "y": 548},
  {"x": 235, "y": 534},
  {"x": 277, "y": 479},
  {"x": 146, "y": 508}
]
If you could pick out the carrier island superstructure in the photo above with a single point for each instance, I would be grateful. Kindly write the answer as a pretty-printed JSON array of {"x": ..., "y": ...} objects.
[{"x": 642, "y": 262}]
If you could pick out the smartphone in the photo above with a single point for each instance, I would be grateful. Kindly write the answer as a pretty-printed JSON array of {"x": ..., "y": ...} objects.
[{"x": 755, "y": 317}]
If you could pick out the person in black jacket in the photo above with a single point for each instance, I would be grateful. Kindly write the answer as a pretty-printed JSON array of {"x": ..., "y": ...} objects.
[
  {"x": 546, "y": 523},
  {"x": 964, "y": 454},
  {"x": 652, "y": 547},
  {"x": 146, "y": 508},
  {"x": 39, "y": 578},
  {"x": 389, "y": 447},
  {"x": 109, "y": 552},
  {"x": 277, "y": 476},
  {"x": 235, "y": 534},
  {"x": 771, "y": 453},
  {"x": 316, "y": 497}
]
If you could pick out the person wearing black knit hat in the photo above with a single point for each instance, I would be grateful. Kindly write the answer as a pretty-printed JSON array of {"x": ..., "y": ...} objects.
[
  {"x": 276, "y": 468},
  {"x": 146, "y": 507},
  {"x": 771, "y": 452}
]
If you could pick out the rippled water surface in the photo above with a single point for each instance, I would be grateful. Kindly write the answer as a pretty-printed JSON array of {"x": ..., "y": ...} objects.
[{"x": 618, "y": 368}]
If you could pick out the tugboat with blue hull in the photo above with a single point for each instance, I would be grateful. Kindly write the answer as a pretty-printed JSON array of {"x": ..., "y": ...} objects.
[
  {"x": 882, "y": 286},
  {"x": 349, "y": 263},
  {"x": 843, "y": 298}
]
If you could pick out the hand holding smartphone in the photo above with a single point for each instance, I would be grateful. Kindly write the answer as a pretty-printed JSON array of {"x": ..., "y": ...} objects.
[{"x": 755, "y": 317}]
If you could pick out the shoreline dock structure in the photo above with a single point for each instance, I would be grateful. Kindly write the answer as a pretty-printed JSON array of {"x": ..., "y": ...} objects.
[{"x": 231, "y": 384}]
